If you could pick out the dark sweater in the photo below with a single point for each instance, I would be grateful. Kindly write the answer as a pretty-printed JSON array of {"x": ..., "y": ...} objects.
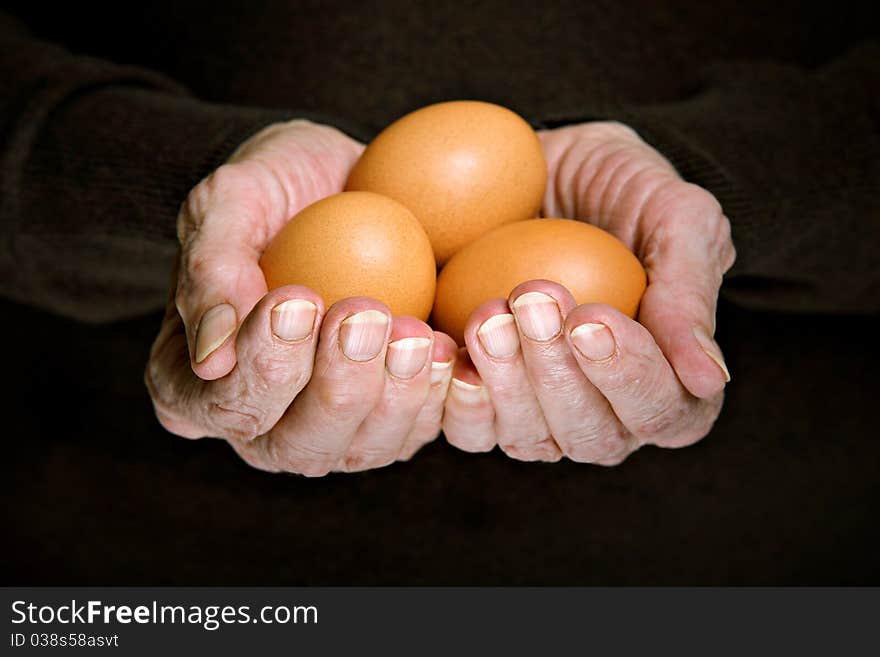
[
  {"x": 773, "y": 109},
  {"x": 770, "y": 105}
]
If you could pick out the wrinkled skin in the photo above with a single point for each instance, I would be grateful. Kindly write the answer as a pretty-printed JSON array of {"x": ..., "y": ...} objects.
[
  {"x": 306, "y": 389},
  {"x": 545, "y": 377},
  {"x": 298, "y": 401}
]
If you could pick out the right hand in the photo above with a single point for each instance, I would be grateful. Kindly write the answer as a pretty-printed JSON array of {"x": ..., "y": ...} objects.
[{"x": 290, "y": 387}]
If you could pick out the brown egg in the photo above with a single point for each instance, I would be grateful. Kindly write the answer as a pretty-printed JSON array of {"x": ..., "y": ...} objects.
[
  {"x": 462, "y": 167},
  {"x": 356, "y": 244},
  {"x": 592, "y": 264}
]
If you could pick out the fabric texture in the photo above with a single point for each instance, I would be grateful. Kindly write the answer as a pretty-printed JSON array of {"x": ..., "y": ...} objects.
[
  {"x": 101, "y": 147},
  {"x": 111, "y": 112}
]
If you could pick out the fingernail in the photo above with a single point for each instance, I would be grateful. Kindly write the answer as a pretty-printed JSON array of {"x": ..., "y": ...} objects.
[
  {"x": 498, "y": 336},
  {"x": 712, "y": 350},
  {"x": 362, "y": 336},
  {"x": 468, "y": 393},
  {"x": 594, "y": 341},
  {"x": 439, "y": 371},
  {"x": 538, "y": 316},
  {"x": 406, "y": 357},
  {"x": 217, "y": 324},
  {"x": 293, "y": 320}
]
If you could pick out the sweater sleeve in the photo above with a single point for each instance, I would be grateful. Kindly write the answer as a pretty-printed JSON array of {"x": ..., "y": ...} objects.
[
  {"x": 95, "y": 160},
  {"x": 793, "y": 155}
]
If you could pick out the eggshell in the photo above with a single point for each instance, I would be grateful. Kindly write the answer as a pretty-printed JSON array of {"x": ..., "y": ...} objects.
[
  {"x": 462, "y": 167},
  {"x": 356, "y": 244},
  {"x": 592, "y": 264}
]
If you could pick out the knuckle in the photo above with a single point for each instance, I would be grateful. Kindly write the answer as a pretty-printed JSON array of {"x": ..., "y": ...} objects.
[
  {"x": 470, "y": 443},
  {"x": 273, "y": 371},
  {"x": 615, "y": 459},
  {"x": 409, "y": 451},
  {"x": 172, "y": 423},
  {"x": 696, "y": 208},
  {"x": 728, "y": 250},
  {"x": 659, "y": 420},
  {"x": 163, "y": 410},
  {"x": 693, "y": 431},
  {"x": 730, "y": 257},
  {"x": 592, "y": 445},
  {"x": 556, "y": 377},
  {"x": 238, "y": 182},
  {"x": 200, "y": 198},
  {"x": 725, "y": 230},
  {"x": 167, "y": 405},
  {"x": 180, "y": 299},
  {"x": 186, "y": 308},
  {"x": 151, "y": 374},
  {"x": 190, "y": 213},
  {"x": 506, "y": 392},
  {"x": 704, "y": 427},
  {"x": 542, "y": 450},
  {"x": 700, "y": 198},
  {"x": 302, "y": 458},
  {"x": 310, "y": 468},
  {"x": 231, "y": 175},
  {"x": 341, "y": 402},
  {"x": 238, "y": 420},
  {"x": 364, "y": 459},
  {"x": 701, "y": 429},
  {"x": 631, "y": 377},
  {"x": 245, "y": 182},
  {"x": 416, "y": 441},
  {"x": 205, "y": 268},
  {"x": 167, "y": 398},
  {"x": 621, "y": 130},
  {"x": 584, "y": 450},
  {"x": 186, "y": 222},
  {"x": 684, "y": 437},
  {"x": 514, "y": 440},
  {"x": 201, "y": 265},
  {"x": 517, "y": 451},
  {"x": 300, "y": 379},
  {"x": 424, "y": 431}
]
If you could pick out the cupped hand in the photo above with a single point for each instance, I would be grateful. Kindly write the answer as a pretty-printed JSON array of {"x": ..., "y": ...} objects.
[
  {"x": 292, "y": 386},
  {"x": 543, "y": 377}
]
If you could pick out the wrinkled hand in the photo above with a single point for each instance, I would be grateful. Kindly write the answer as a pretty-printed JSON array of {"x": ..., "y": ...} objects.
[
  {"x": 547, "y": 378},
  {"x": 290, "y": 386}
]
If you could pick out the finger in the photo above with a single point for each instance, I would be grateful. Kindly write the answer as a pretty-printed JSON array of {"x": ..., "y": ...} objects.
[
  {"x": 427, "y": 424},
  {"x": 276, "y": 345},
  {"x": 347, "y": 382},
  {"x": 685, "y": 260},
  {"x": 493, "y": 345},
  {"x": 380, "y": 437},
  {"x": 621, "y": 358},
  {"x": 276, "y": 350},
  {"x": 468, "y": 417},
  {"x": 578, "y": 415},
  {"x": 219, "y": 227},
  {"x": 590, "y": 165},
  {"x": 580, "y": 418}
]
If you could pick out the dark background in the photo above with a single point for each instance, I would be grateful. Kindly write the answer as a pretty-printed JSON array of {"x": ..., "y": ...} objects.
[{"x": 785, "y": 490}]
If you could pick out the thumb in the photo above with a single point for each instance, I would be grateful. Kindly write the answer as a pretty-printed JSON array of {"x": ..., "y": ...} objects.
[
  {"x": 685, "y": 270},
  {"x": 221, "y": 229}
]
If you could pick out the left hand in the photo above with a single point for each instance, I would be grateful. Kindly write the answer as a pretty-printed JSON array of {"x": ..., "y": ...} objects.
[{"x": 543, "y": 377}]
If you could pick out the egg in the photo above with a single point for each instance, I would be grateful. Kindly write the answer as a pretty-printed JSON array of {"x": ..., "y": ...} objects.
[
  {"x": 592, "y": 264},
  {"x": 356, "y": 244},
  {"x": 462, "y": 167}
]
